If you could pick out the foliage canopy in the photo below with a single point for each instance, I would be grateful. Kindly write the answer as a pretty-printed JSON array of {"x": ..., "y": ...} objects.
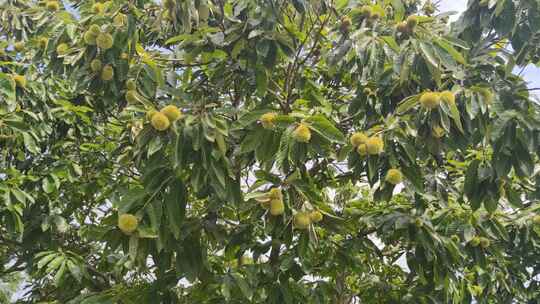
[{"x": 250, "y": 151}]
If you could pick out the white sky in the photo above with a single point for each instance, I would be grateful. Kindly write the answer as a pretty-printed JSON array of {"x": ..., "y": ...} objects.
[{"x": 452, "y": 5}]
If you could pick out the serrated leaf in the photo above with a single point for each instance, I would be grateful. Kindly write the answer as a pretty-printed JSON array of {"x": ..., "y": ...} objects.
[
  {"x": 454, "y": 113},
  {"x": 48, "y": 185},
  {"x": 175, "y": 205},
  {"x": 325, "y": 128},
  {"x": 407, "y": 103},
  {"x": 7, "y": 86},
  {"x": 471, "y": 178},
  {"x": 155, "y": 212},
  {"x": 249, "y": 118},
  {"x": 247, "y": 291},
  {"x": 218, "y": 173},
  {"x": 133, "y": 247},
  {"x": 451, "y": 50},
  {"x": 226, "y": 287},
  {"x": 261, "y": 80},
  {"x": 220, "y": 141},
  {"x": 129, "y": 199},
  {"x": 154, "y": 145},
  {"x": 429, "y": 54},
  {"x": 75, "y": 270},
  {"x": 177, "y": 38},
  {"x": 30, "y": 143},
  {"x": 146, "y": 233},
  {"x": 55, "y": 263},
  {"x": 60, "y": 274},
  {"x": 45, "y": 260},
  {"x": 391, "y": 42},
  {"x": 178, "y": 152},
  {"x": 252, "y": 140}
]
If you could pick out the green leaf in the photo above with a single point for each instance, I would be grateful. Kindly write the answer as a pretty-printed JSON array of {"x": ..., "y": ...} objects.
[
  {"x": 60, "y": 274},
  {"x": 7, "y": 89},
  {"x": 471, "y": 177},
  {"x": 146, "y": 233},
  {"x": 454, "y": 113},
  {"x": 17, "y": 124},
  {"x": 407, "y": 103},
  {"x": 513, "y": 197},
  {"x": 429, "y": 54},
  {"x": 246, "y": 290},
  {"x": 218, "y": 173},
  {"x": 446, "y": 59},
  {"x": 154, "y": 145},
  {"x": 178, "y": 38},
  {"x": 226, "y": 287},
  {"x": 129, "y": 199},
  {"x": 175, "y": 205},
  {"x": 252, "y": 140},
  {"x": 472, "y": 186},
  {"x": 456, "y": 42},
  {"x": 414, "y": 175},
  {"x": 179, "y": 147},
  {"x": 391, "y": 42},
  {"x": 60, "y": 223},
  {"x": 99, "y": 299},
  {"x": 238, "y": 48},
  {"x": 308, "y": 190},
  {"x": 222, "y": 146},
  {"x": 30, "y": 143},
  {"x": 55, "y": 263},
  {"x": 45, "y": 260},
  {"x": 189, "y": 259},
  {"x": 451, "y": 50},
  {"x": 155, "y": 212},
  {"x": 249, "y": 118},
  {"x": 133, "y": 247},
  {"x": 75, "y": 270},
  {"x": 325, "y": 128},
  {"x": 268, "y": 147},
  {"x": 261, "y": 79},
  {"x": 399, "y": 9},
  {"x": 21, "y": 196},
  {"x": 48, "y": 184},
  {"x": 490, "y": 204}
]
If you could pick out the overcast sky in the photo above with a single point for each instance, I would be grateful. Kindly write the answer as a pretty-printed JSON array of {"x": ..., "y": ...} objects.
[{"x": 453, "y": 5}]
